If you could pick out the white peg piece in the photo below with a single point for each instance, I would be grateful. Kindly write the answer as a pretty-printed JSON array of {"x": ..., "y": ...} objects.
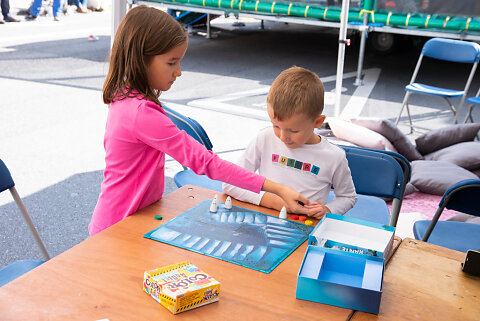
[
  {"x": 213, "y": 206},
  {"x": 228, "y": 203},
  {"x": 283, "y": 213},
  {"x": 215, "y": 198}
]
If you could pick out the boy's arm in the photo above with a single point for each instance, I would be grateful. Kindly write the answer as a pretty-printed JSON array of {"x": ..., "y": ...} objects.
[{"x": 345, "y": 195}]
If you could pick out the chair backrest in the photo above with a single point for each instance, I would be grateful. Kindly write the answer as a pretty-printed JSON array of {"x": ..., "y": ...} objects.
[
  {"x": 190, "y": 126},
  {"x": 6, "y": 180},
  {"x": 375, "y": 173},
  {"x": 452, "y": 50},
  {"x": 464, "y": 197}
]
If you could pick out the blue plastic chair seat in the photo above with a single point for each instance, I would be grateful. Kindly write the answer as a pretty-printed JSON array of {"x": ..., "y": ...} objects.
[
  {"x": 431, "y": 90},
  {"x": 466, "y": 235},
  {"x": 16, "y": 269},
  {"x": 474, "y": 100},
  {"x": 368, "y": 208},
  {"x": 188, "y": 177}
]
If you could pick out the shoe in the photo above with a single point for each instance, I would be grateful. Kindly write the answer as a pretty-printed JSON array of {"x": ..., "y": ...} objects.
[
  {"x": 11, "y": 19},
  {"x": 56, "y": 18},
  {"x": 2, "y": 22},
  {"x": 82, "y": 10},
  {"x": 30, "y": 17}
]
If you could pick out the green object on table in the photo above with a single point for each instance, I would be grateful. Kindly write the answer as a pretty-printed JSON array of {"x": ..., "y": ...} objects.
[{"x": 158, "y": 217}]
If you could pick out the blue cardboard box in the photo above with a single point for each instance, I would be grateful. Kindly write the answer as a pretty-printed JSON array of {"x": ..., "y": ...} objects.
[{"x": 344, "y": 263}]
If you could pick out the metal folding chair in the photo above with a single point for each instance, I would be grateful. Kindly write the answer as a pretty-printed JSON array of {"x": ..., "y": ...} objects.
[
  {"x": 448, "y": 50},
  {"x": 14, "y": 270},
  {"x": 194, "y": 129},
  {"x": 464, "y": 197}
]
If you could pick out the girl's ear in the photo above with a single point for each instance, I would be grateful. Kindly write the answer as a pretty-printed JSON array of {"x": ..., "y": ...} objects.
[{"x": 319, "y": 120}]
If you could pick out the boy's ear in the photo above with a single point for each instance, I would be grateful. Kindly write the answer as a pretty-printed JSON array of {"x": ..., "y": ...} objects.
[{"x": 319, "y": 120}]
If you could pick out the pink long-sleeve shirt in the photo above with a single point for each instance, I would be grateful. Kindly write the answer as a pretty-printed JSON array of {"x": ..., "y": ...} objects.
[{"x": 138, "y": 134}]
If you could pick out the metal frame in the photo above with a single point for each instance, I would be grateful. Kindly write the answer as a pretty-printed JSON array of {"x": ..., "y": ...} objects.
[{"x": 29, "y": 222}]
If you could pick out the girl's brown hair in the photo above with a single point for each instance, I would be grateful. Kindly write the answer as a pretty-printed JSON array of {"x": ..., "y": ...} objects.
[
  {"x": 144, "y": 32},
  {"x": 296, "y": 90}
]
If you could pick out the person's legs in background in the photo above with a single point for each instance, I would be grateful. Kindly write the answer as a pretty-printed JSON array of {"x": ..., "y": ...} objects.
[
  {"x": 34, "y": 10},
  {"x": 7, "y": 17},
  {"x": 82, "y": 7},
  {"x": 57, "y": 9}
]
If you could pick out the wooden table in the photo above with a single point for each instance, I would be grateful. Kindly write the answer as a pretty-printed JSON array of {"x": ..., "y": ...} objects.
[
  {"x": 102, "y": 278},
  {"x": 425, "y": 282}
]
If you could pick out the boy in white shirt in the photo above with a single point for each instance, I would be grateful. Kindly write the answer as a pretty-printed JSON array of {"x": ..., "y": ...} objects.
[{"x": 291, "y": 153}]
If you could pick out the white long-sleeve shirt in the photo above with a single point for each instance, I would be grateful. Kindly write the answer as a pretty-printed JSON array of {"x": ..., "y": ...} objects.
[{"x": 310, "y": 169}]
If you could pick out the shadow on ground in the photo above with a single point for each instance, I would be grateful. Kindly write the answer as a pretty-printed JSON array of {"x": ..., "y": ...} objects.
[{"x": 61, "y": 214}]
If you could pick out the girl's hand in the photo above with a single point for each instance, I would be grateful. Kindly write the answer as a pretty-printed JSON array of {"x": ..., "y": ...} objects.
[
  {"x": 291, "y": 197},
  {"x": 294, "y": 200},
  {"x": 317, "y": 210}
]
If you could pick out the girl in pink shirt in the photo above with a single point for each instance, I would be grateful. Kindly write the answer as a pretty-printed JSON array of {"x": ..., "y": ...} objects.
[{"x": 145, "y": 60}]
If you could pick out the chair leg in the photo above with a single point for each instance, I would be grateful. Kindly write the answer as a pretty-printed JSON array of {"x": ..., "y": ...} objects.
[
  {"x": 405, "y": 102},
  {"x": 410, "y": 119},
  {"x": 396, "y": 204},
  {"x": 432, "y": 224},
  {"x": 452, "y": 107},
  {"x": 469, "y": 114},
  {"x": 29, "y": 222}
]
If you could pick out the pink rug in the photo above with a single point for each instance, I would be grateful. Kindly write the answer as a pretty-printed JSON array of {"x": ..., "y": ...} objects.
[{"x": 425, "y": 204}]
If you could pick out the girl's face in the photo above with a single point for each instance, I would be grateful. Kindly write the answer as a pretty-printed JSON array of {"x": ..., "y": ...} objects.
[{"x": 164, "y": 69}]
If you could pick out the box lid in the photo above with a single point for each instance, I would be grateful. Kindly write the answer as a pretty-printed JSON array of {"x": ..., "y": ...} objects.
[{"x": 352, "y": 235}]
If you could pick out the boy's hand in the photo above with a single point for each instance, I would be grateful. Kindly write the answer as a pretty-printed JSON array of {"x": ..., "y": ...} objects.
[{"x": 317, "y": 210}]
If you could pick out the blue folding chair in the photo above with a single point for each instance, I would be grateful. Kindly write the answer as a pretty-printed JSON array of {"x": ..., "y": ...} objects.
[
  {"x": 474, "y": 102},
  {"x": 447, "y": 50},
  {"x": 194, "y": 129},
  {"x": 14, "y": 270},
  {"x": 375, "y": 174},
  {"x": 464, "y": 197}
]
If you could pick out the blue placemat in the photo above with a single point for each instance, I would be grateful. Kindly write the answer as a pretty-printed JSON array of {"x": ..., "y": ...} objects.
[{"x": 244, "y": 237}]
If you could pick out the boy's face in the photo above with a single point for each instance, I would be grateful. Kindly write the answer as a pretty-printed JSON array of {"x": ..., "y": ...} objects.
[{"x": 296, "y": 130}]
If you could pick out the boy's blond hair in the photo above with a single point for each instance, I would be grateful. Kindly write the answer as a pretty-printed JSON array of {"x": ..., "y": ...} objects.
[{"x": 296, "y": 90}]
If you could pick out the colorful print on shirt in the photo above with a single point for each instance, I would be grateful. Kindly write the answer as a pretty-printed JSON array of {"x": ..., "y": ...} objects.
[{"x": 306, "y": 168}]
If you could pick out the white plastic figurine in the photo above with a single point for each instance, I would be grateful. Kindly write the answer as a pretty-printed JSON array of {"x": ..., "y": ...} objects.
[
  {"x": 215, "y": 198},
  {"x": 283, "y": 213},
  {"x": 228, "y": 203},
  {"x": 213, "y": 206}
]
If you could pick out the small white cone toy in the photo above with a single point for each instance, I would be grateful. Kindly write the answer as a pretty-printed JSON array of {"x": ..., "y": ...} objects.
[
  {"x": 213, "y": 206},
  {"x": 215, "y": 198},
  {"x": 283, "y": 213},
  {"x": 228, "y": 203}
]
